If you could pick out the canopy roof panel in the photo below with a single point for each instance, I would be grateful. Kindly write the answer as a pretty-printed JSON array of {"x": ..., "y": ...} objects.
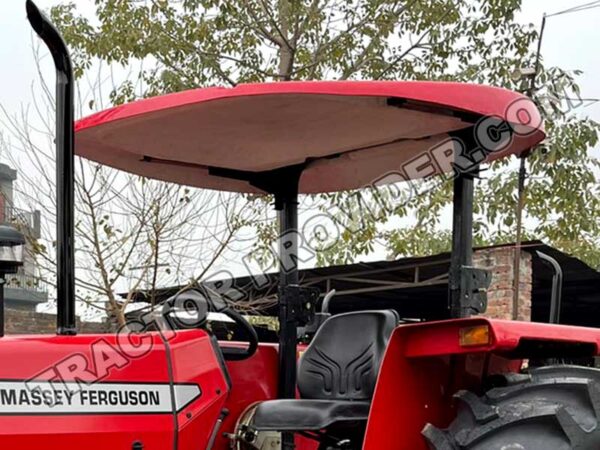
[{"x": 348, "y": 135}]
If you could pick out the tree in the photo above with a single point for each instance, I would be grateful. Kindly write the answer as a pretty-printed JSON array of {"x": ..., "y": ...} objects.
[
  {"x": 195, "y": 43},
  {"x": 131, "y": 233}
]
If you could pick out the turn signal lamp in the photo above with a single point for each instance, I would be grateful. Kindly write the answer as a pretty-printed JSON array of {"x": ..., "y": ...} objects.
[{"x": 472, "y": 336}]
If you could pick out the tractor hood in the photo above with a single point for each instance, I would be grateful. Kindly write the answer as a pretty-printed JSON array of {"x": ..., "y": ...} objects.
[{"x": 345, "y": 135}]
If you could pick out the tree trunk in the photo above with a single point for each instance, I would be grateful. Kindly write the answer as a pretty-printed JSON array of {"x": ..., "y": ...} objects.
[{"x": 286, "y": 54}]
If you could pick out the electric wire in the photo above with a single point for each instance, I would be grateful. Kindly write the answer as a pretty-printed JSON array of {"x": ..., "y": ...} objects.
[{"x": 579, "y": 8}]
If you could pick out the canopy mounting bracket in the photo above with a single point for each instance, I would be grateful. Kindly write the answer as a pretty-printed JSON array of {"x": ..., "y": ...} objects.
[
  {"x": 474, "y": 284},
  {"x": 281, "y": 182},
  {"x": 301, "y": 303}
]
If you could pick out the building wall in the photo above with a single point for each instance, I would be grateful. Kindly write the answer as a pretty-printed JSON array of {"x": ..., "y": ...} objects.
[
  {"x": 19, "y": 321},
  {"x": 23, "y": 289},
  {"x": 7, "y": 177},
  {"x": 500, "y": 262}
]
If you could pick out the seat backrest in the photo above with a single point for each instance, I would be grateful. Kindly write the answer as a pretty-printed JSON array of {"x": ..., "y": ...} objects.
[{"x": 343, "y": 359}]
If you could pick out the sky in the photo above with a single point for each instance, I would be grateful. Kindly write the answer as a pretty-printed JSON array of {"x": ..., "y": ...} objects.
[{"x": 569, "y": 42}]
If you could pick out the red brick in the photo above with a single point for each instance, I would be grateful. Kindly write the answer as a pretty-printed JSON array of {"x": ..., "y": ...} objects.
[{"x": 500, "y": 294}]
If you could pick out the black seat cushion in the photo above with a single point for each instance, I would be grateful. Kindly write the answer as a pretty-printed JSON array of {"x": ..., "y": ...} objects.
[
  {"x": 307, "y": 415},
  {"x": 342, "y": 362},
  {"x": 336, "y": 375}
]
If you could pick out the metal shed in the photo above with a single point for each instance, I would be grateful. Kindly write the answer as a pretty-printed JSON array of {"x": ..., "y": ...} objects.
[{"x": 418, "y": 287}]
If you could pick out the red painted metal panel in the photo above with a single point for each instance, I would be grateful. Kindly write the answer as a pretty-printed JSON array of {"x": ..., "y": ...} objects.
[
  {"x": 424, "y": 366},
  {"x": 194, "y": 361},
  {"x": 479, "y": 99},
  {"x": 43, "y": 357},
  {"x": 442, "y": 338}
]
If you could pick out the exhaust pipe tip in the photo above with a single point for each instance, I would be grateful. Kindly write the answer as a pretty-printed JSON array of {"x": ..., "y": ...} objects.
[
  {"x": 35, "y": 17},
  {"x": 50, "y": 35}
]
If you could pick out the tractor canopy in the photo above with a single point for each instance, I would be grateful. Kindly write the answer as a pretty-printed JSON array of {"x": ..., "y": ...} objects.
[{"x": 343, "y": 135}]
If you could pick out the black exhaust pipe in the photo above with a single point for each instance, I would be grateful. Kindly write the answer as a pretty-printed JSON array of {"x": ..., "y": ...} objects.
[{"x": 65, "y": 264}]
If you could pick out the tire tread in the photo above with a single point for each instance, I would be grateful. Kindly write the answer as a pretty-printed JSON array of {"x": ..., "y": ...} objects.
[{"x": 525, "y": 400}]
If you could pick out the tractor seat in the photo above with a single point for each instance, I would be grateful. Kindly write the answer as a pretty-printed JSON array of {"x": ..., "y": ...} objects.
[{"x": 336, "y": 375}]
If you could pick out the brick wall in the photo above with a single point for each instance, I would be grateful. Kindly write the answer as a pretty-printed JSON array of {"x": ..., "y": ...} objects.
[
  {"x": 500, "y": 294},
  {"x": 30, "y": 322}
]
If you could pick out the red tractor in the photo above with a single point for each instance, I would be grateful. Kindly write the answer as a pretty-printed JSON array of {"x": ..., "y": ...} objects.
[{"x": 365, "y": 380}]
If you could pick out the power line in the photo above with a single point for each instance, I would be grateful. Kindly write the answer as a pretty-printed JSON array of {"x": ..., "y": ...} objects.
[
  {"x": 582, "y": 99},
  {"x": 582, "y": 7},
  {"x": 579, "y": 8}
]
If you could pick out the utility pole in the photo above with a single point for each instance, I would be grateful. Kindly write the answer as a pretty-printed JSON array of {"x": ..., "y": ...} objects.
[
  {"x": 517, "y": 259},
  {"x": 521, "y": 190}
]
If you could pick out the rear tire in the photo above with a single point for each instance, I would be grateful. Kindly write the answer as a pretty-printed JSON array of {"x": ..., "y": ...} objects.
[{"x": 551, "y": 408}]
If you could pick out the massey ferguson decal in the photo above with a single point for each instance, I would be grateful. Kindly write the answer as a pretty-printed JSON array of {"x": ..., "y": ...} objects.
[{"x": 34, "y": 397}]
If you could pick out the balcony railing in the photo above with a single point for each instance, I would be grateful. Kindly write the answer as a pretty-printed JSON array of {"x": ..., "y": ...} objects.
[
  {"x": 26, "y": 282},
  {"x": 28, "y": 221}
]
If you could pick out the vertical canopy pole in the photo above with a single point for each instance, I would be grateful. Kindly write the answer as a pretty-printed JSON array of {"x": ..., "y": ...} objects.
[
  {"x": 462, "y": 244},
  {"x": 65, "y": 265},
  {"x": 287, "y": 207},
  {"x": 288, "y": 275}
]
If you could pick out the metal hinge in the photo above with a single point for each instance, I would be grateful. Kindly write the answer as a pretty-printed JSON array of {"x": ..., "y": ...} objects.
[{"x": 474, "y": 283}]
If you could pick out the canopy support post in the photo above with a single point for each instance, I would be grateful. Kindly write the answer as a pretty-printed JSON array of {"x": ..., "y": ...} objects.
[
  {"x": 462, "y": 242},
  {"x": 288, "y": 275},
  {"x": 286, "y": 204},
  {"x": 467, "y": 284},
  {"x": 296, "y": 304}
]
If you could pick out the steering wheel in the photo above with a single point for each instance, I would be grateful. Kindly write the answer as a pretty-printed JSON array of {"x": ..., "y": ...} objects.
[
  {"x": 238, "y": 353},
  {"x": 195, "y": 304}
]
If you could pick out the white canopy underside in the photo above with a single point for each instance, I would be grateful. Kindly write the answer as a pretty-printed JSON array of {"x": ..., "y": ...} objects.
[{"x": 348, "y": 142}]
